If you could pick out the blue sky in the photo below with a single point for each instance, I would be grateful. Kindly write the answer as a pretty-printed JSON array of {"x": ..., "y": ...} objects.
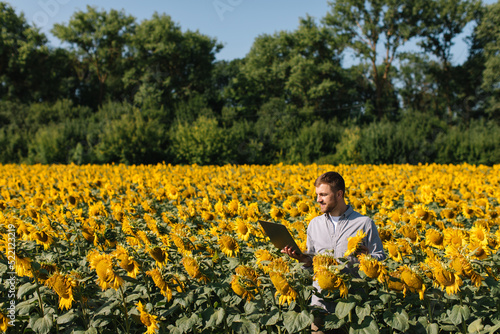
[{"x": 235, "y": 23}]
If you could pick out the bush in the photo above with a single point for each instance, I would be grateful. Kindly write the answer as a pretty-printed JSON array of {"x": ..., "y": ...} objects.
[
  {"x": 131, "y": 139},
  {"x": 479, "y": 143}
]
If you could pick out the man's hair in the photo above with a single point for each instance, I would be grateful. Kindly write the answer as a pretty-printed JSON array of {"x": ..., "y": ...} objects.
[{"x": 333, "y": 179}]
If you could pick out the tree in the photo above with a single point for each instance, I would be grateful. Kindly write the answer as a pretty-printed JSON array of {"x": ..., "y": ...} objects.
[
  {"x": 366, "y": 27},
  {"x": 487, "y": 34},
  {"x": 301, "y": 68},
  {"x": 23, "y": 54},
  {"x": 175, "y": 64},
  {"x": 442, "y": 21},
  {"x": 100, "y": 41}
]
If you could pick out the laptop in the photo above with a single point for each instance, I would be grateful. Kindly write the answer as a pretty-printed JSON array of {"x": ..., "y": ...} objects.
[{"x": 279, "y": 235}]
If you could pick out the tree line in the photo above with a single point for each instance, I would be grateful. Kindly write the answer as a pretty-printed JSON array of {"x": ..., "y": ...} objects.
[{"x": 124, "y": 91}]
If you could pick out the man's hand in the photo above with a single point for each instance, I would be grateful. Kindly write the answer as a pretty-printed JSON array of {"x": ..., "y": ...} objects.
[{"x": 306, "y": 259}]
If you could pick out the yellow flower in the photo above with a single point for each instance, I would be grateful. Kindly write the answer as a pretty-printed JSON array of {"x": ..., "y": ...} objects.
[
  {"x": 148, "y": 320},
  {"x": 160, "y": 283},
  {"x": 353, "y": 242},
  {"x": 62, "y": 285},
  {"x": 103, "y": 265},
  {"x": 479, "y": 251},
  {"x": 434, "y": 238},
  {"x": 193, "y": 269},
  {"x": 277, "y": 213},
  {"x": 23, "y": 266},
  {"x": 283, "y": 289},
  {"x": 126, "y": 261},
  {"x": 279, "y": 265},
  {"x": 373, "y": 268},
  {"x": 454, "y": 237},
  {"x": 412, "y": 281},
  {"x": 323, "y": 261},
  {"x": 479, "y": 235},
  {"x": 42, "y": 238},
  {"x": 445, "y": 279},
  {"x": 160, "y": 256},
  {"x": 4, "y": 322},
  {"x": 228, "y": 245},
  {"x": 242, "y": 230},
  {"x": 331, "y": 281},
  {"x": 245, "y": 282}
]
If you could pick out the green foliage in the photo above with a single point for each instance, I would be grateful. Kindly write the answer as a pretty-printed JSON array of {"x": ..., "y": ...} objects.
[
  {"x": 407, "y": 141},
  {"x": 479, "y": 143},
  {"x": 313, "y": 142},
  {"x": 488, "y": 32},
  {"x": 133, "y": 138},
  {"x": 201, "y": 142}
]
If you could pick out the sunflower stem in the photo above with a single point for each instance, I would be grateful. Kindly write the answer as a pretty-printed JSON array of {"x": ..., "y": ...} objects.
[
  {"x": 127, "y": 324},
  {"x": 40, "y": 301}
]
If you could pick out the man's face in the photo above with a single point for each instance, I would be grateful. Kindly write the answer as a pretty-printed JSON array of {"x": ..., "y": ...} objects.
[{"x": 327, "y": 199}]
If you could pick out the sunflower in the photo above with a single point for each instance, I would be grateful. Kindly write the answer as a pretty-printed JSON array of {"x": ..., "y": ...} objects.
[
  {"x": 479, "y": 251},
  {"x": 245, "y": 282},
  {"x": 160, "y": 283},
  {"x": 193, "y": 268},
  {"x": 445, "y": 279},
  {"x": 353, "y": 242},
  {"x": 478, "y": 235},
  {"x": 277, "y": 213},
  {"x": 331, "y": 281},
  {"x": 434, "y": 238},
  {"x": 423, "y": 213},
  {"x": 228, "y": 245},
  {"x": 263, "y": 255},
  {"x": 283, "y": 289},
  {"x": 393, "y": 250},
  {"x": 160, "y": 256},
  {"x": 62, "y": 285},
  {"x": 242, "y": 230},
  {"x": 412, "y": 281},
  {"x": 464, "y": 267},
  {"x": 148, "y": 320},
  {"x": 4, "y": 322},
  {"x": 409, "y": 232},
  {"x": 303, "y": 207},
  {"x": 42, "y": 238},
  {"x": 103, "y": 265},
  {"x": 454, "y": 237},
  {"x": 126, "y": 261},
  {"x": 23, "y": 266},
  {"x": 185, "y": 247},
  {"x": 373, "y": 268},
  {"x": 323, "y": 261},
  {"x": 279, "y": 265}
]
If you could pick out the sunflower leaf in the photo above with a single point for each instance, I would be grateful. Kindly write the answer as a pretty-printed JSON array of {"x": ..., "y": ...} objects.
[
  {"x": 344, "y": 307},
  {"x": 270, "y": 318},
  {"x": 459, "y": 314},
  {"x": 295, "y": 322},
  {"x": 397, "y": 320},
  {"x": 26, "y": 289}
]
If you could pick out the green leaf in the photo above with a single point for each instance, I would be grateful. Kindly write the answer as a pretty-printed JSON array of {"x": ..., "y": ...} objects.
[
  {"x": 271, "y": 317},
  {"x": 476, "y": 326},
  {"x": 41, "y": 325},
  {"x": 333, "y": 322},
  {"x": 344, "y": 307},
  {"x": 397, "y": 320},
  {"x": 67, "y": 317},
  {"x": 295, "y": 322},
  {"x": 459, "y": 314},
  {"x": 433, "y": 328},
  {"x": 186, "y": 324},
  {"x": 245, "y": 327},
  {"x": 217, "y": 317},
  {"x": 362, "y": 312},
  {"x": 367, "y": 326},
  {"x": 26, "y": 289}
]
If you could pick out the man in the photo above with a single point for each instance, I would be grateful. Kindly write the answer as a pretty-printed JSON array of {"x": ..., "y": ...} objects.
[{"x": 330, "y": 232}]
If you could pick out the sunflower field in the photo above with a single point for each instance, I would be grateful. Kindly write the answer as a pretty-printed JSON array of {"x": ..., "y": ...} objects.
[{"x": 178, "y": 249}]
